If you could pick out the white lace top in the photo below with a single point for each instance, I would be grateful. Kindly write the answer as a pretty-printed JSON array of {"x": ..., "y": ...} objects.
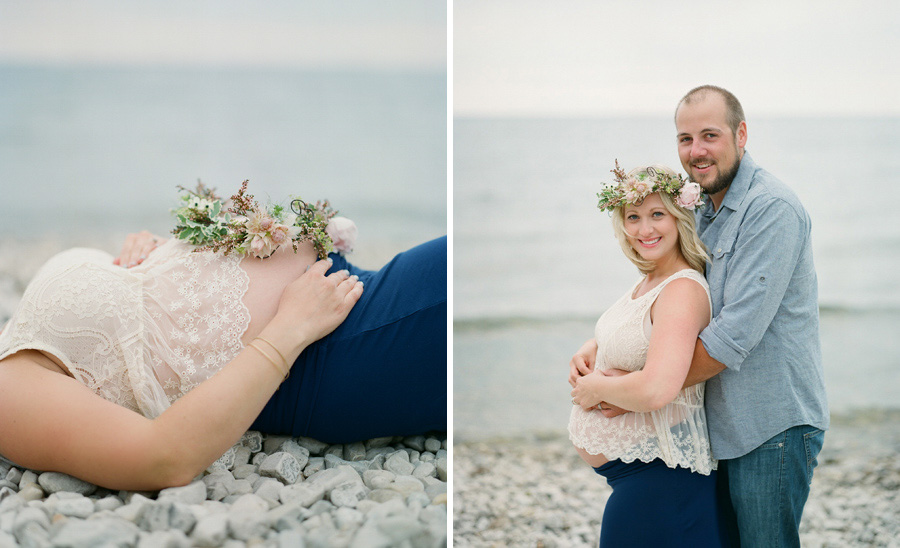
[
  {"x": 676, "y": 433},
  {"x": 139, "y": 337}
]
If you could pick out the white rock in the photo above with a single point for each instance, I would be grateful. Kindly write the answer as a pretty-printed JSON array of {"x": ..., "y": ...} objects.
[
  {"x": 96, "y": 532},
  {"x": 299, "y": 452},
  {"x": 331, "y": 478},
  {"x": 193, "y": 493},
  {"x": 28, "y": 476},
  {"x": 303, "y": 494},
  {"x": 210, "y": 531},
  {"x": 398, "y": 463},
  {"x": 282, "y": 466},
  {"x": 348, "y": 494}
]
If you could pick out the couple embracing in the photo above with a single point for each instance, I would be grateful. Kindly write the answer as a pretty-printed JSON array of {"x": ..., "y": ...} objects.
[{"x": 701, "y": 398}]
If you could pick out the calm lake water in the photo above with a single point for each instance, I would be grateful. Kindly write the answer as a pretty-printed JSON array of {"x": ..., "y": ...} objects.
[{"x": 535, "y": 263}]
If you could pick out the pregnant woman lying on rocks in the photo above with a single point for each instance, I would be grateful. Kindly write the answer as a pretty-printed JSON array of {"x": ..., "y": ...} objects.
[{"x": 137, "y": 372}]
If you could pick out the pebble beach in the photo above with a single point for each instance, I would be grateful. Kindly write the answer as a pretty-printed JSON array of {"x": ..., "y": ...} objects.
[
  {"x": 536, "y": 491},
  {"x": 266, "y": 491}
]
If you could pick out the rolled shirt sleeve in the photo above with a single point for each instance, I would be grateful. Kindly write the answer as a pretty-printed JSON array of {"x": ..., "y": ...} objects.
[{"x": 760, "y": 263}]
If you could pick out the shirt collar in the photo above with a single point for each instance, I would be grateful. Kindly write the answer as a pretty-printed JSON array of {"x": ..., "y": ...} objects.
[{"x": 741, "y": 183}]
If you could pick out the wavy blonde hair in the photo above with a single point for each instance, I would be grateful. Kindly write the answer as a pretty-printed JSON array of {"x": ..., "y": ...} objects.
[{"x": 692, "y": 249}]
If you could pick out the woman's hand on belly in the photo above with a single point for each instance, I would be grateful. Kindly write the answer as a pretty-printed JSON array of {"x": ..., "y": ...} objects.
[{"x": 313, "y": 305}]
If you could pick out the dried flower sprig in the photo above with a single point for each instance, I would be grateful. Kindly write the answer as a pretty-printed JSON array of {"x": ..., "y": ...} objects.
[{"x": 246, "y": 227}]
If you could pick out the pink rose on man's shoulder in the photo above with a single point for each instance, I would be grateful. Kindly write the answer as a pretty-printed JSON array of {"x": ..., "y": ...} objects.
[
  {"x": 689, "y": 197},
  {"x": 343, "y": 233}
]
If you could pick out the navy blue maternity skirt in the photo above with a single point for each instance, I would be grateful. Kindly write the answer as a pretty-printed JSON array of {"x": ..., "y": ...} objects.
[
  {"x": 653, "y": 505},
  {"x": 383, "y": 372}
]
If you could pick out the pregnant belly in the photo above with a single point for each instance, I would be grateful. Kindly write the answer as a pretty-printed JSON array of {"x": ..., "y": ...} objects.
[{"x": 268, "y": 278}]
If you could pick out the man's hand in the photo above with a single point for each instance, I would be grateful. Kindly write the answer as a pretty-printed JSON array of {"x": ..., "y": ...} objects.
[{"x": 582, "y": 363}]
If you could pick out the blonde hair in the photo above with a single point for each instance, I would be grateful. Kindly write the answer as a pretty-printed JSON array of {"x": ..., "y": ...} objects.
[{"x": 690, "y": 246}]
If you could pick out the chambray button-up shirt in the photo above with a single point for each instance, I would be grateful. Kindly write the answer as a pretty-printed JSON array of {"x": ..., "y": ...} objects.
[{"x": 765, "y": 325}]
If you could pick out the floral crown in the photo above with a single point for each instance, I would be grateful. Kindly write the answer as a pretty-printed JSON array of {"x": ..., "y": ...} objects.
[
  {"x": 632, "y": 189},
  {"x": 246, "y": 227}
]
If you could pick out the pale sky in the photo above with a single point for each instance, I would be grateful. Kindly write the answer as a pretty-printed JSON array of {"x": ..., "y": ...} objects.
[
  {"x": 335, "y": 34},
  {"x": 590, "y": 57}
]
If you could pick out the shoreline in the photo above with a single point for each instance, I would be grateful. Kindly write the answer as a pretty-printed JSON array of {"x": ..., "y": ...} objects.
[{"x": 535, "y": 490}]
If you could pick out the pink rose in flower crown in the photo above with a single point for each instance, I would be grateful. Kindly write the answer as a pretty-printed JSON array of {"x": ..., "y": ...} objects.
[
  {"x": 343, "y": 233},
  {"x": 689, "y": 197}
]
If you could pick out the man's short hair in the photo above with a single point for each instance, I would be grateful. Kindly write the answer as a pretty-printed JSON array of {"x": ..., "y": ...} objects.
[{"x": 734, "y": 112}]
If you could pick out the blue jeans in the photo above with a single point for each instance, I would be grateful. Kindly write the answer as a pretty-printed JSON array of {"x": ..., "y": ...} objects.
[{"x": 762, "y": 493}]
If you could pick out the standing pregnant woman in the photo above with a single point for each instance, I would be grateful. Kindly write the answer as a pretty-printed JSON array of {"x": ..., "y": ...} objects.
[
  {"x": 138, "y": 372},
  {"x": 657, "y": 459}
]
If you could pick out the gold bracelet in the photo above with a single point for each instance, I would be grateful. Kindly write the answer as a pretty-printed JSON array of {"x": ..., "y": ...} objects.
[
  {"x": 268, "y": 357},
  {"x": 275, "y": 348}
]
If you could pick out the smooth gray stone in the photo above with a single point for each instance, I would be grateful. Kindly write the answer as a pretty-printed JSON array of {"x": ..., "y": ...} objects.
[
  {"x": 28, "y": 476},
  {"x": 6, "y": 484},
  {"x": 167, "y": 515},
  {"x": 348, "y": 518},
  {"x": 415, "y": 442},
  {"x": 193, "y": 493},
  {"x": 108, "y": 503},
  {"x": 432, "y": 445},
  {"x": 30, "y": 491},
  {"x": 302, "y": 493},
  {"x": 242, "y": 455},
  {"x": 51, "y": 482},
  {"x": 75, "y": 507},
  {"x": 385, "y": 495},
  {"x": 14, "y": 475},
  {"x": 405, "y": 485},
  {"x": 331, "y": 478},
  {"x": 417, "y": 499},
  {"x": 298, "y": 451},
  {"x": 269, "y": 490},
  {"x": 398, "y": 463},
  {"x": 426, "y": 457},
  {"x": 243, "y": 486},
  {"x": 253, "y": 440},
  {"x": 315, "y": 464},
  {"x": 400, "y": 528},
  {"x": 434, "y": 487},
  {"x": 273, "y": 443},
  {"x": 378, "y": 479},
  {"x": 291, "y": 539},
  {"x": 348, "y": 494},
  {"x": 6, "y": 492},
  {"x": 375, "y": 443},
  {"x": 106, "y": 532},
  {"x": 333, "y": 461},
  {"x": 377, "y": 463},
  {"x": 424, "y": 470},
  {"x": 315, "y": 447},
  {"x": 246, "y": 518},
  {"x": 242, "y": 471},
  {"x": 441, "y": 465},
  {"x": 384, "y": 451},
  {"x": 211, "y": 531},
  {"x": 355, "y": 451},
  {"x": 337, "y": 450},
  {"x": 322, "y": 507},
  {"x": 163, "y": 539},
  {"x": 282, "y": 466}
]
